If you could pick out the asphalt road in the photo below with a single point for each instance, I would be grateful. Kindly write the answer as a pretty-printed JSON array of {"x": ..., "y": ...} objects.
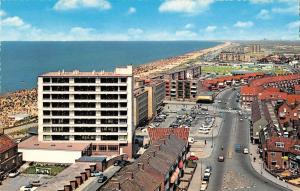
[{"x": 236, "y": 172}]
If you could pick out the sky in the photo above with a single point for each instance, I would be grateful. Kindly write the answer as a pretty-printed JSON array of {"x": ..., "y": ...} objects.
[{"x": 148, "y": 20}]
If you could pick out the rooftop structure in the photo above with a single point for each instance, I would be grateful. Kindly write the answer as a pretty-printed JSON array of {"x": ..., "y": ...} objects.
[{"x": 159, "y": 168}]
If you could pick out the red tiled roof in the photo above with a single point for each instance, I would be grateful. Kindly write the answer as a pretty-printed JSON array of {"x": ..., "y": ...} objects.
[
  {"x": 159, "y": 133},
  {"x": 262, "y": 81},
  {"x": 297, "y": 87},
  {"x": 293, "y": 99},
  {"x": 6, "y": 143},
  {"x": 248, "y": 90}
]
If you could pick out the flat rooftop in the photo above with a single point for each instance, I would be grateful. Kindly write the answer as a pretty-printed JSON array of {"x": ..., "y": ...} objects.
[
  {"x": 82, "y": 74},
  {"x": 34, "y": 143},
  {"x": 64, "y": 178}
]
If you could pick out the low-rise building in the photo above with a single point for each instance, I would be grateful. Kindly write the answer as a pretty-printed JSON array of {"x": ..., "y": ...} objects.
[
  {"x": 281, "y": 153},
  {"x": 159, "y": 168},
  {"x": 10, "y": 158}
]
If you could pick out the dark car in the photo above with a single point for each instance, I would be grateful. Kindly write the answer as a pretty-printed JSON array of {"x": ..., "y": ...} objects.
[
  {"x": 206, "y": 178},
  {"x": 102, "y": 178}
]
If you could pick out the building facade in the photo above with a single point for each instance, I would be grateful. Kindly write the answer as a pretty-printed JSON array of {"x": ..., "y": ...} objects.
[
  {"x": 140, "y": 105},
  {"x": 10, "y": 159},
  {"x": 89, "y": 107}
]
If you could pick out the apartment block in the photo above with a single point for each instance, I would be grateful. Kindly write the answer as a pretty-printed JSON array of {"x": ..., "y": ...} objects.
[
  {"x": 140, "y": 105},
  {"x": 183, "y": 84},
  {"x": 156, "y": 94},
  {"x": 87, "y": 107}
]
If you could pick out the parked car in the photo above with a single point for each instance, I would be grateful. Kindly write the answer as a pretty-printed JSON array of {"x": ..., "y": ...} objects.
[
  {"x": 221, "y": 158},
  {"x": 101, "y": 178},
  {"x": 203, "y": 186},
  {"x": 208, "y": 170},
  {"x": 246, "y": 151},
  {"x": 13, "y": 174},
  {"x": 238, "y": 148},
  {"x": 120, "y": 163},
  {"x": 96, "y": 173},
  {"x": 28, "y": 187},
  {"x": 205, "y": 178},
  {"x": 36, "y": 183}
]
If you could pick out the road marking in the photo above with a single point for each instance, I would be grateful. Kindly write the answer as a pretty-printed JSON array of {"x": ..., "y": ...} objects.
[{"x": 229, "y": 154}]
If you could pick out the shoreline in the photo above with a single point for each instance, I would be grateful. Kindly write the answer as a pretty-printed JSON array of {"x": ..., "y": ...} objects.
[{"x": 153, "y": 68}]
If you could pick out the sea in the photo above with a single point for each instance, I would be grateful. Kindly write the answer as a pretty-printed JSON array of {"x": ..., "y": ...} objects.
[{"x": 22, "y": 61}]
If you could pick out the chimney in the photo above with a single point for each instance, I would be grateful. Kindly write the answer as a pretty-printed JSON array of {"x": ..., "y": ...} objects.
[
  {"x": 141, "y": 165},
  {"x": 83, "y": 176},
  {"x": 157, "y": 147},
  {"x": 130, "y": 175},
  {"x": 88, "y": 172},
  {"x": 153, "y": 153},
  {"x": 116, "y": 185}
]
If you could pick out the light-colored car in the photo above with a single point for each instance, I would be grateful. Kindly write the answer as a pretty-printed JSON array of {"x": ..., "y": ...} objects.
[
  {"x": 203, "y": 186},
  {"x": 13, "y": 174},
  {"x": 246, "y": 151},
  {"x": 28, "y": 188}
]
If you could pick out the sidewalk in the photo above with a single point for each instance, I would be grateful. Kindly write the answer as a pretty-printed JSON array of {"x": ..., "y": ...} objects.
[{"x": 258, "y": 166}]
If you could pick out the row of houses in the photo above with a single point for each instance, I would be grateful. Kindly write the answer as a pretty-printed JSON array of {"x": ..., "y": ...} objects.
[{"x": 160, "y": 167}]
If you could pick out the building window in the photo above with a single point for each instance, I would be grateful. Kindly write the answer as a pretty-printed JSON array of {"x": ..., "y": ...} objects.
[
  {"x": 279, "y": 144},
  {"x": 273, "y": 154},
  {"x": 85, "y": 80},
  {"x": 123, "y": 88},
  {"x": 46, "y": 104},
  {"x": 85, "y": 121},
  {"x": 46, "y": 129},
  {"x": 60, "y": 137},
  {"x": 109, "y": 129},
  {"x": 6, "y": 155},
  {"x": 46, "y": 112},
  {"x": 123, "y": 104},
  {"x": 94, "y": 147},
  {"x": 109, "y": 80},
  {"x": 46, "y": 88},
  {"x": 85, "y": 129},
  {"x": 46, "y": 96},
  {"x": 274, "y": 162},
  {"x": 84, "y": 96},
  {"x": 47, "y": 137},
  {"x": 123, "y": 96},
  {"x": 112, "y": 147},
  {"x": 123, "y": 80},
  {"x": 46, "y": 80},
  {"x": 109, "y": 137},
  {"x": 84, "y": 88},
  {"x": 102, "y": 147},
  {"x": 297, "y": 147},
  {"x": 60, "y": 80},
  {"x": 60, "y": 129},
  {"x": 85, "y": 137}
]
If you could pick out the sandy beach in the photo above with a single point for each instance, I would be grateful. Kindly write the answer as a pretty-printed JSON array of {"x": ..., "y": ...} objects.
[
  {"x": 25, "y": 101},
  {"x": 154, "y": 68}
]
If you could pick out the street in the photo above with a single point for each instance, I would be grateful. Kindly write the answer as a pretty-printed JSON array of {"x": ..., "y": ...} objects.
[{"x": 236, "y": 172}]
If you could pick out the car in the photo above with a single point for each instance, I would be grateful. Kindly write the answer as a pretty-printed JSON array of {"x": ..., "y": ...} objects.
[
  {"x": 206, "y": 177},
  {"x": 193, "y": 158},
  {"x": 221, "y": 158},
  {"x": 36, "y": 183},
  {"x": 203, "y": 186},
  {"x": 238, "y": 148},
  {"x": 102, "y": 178},
  {"x": 28, "y": 187},
  {"x": 208, "y": 169},
  {"x": 241, "y": 119},
  {"x": 13, "y": 174},
  {"x": 219, "y": 101},
  {"x": 96, "y": 173},
  {"x": 246, "y": 151}
]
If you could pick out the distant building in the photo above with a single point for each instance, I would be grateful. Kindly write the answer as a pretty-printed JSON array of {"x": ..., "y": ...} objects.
[
  {"x": 10, "y": 159},
  {"x": 234, "y": 56},
  {"x": 255, "y": 48}
]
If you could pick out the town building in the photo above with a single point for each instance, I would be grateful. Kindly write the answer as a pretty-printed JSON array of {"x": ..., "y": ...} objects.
[
  {"x": 140, "y": 107},
  {"x": 234, "y": 57},
  {"x": 10, "y": 158},
  {"x": 159, "y": 168},
  {"x": 84, "y": 110},
  {"x": 156, "y": 95},
  {"x": 183, "y": 84},
  {"x": 258, "y": 121},
  {"x": 297, "y": 89},
  {"x": 282, "y": 153},
  {"x": 255, "y": 48}
]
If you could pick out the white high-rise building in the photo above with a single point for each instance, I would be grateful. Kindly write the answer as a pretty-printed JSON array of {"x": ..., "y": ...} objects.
[{"x": 90, "y": 107}]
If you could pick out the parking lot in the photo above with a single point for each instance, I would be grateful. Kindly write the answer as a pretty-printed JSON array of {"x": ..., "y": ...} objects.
[{"x": 14, "y": 184}]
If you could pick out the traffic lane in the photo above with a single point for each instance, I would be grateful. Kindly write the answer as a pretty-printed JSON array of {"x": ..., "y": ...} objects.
[
  {"x": 244, "y": 161},
  {"x": 218, "y": 167}
]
